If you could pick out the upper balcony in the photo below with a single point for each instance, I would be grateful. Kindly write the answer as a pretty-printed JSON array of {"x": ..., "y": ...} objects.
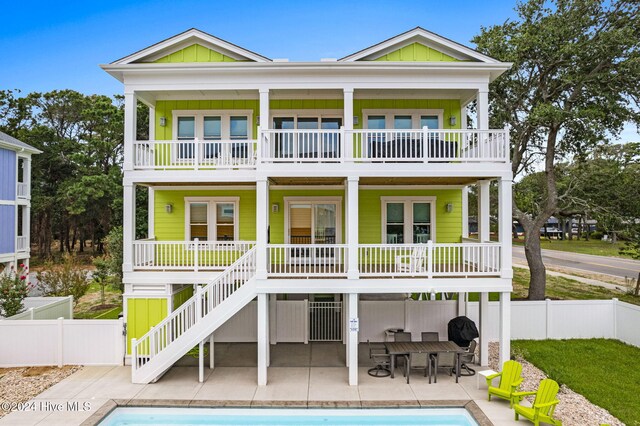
[{"x": 303, "y": 147}]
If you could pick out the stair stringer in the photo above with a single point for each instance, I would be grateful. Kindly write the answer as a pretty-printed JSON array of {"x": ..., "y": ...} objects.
[{"x": 165, "y": 359}]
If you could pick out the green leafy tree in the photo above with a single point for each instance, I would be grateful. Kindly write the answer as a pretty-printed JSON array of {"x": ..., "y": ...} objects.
[
  {"x": 14, "y": 288},
  {"x": 574, "y": 81}
]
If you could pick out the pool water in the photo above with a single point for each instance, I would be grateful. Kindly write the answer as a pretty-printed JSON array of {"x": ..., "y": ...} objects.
[{"x": 132, "y": 416}]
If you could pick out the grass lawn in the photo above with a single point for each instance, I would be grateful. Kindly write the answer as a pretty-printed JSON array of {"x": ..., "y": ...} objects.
[
  {"x": 560, "y": 288},
  {"x": 597, "y": 247},
  {"x": 89, "y": 306},
  {"x": 603, "y": 371}
]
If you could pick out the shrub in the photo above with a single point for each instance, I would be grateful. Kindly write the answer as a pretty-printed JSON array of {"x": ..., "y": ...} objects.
[
  {"x": 67, "y": 279},
  {"x": 113, "y": 259},
  {"x": 597, "y": 235},
  {"x": 14, "y": 287}
]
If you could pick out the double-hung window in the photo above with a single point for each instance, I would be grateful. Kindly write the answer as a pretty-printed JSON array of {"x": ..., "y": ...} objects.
[
  {"x": 408, "y": 220},
  {"x": 211, "y": 219}
]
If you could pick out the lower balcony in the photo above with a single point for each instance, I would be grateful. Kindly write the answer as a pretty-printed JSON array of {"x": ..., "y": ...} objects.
[{"x": 428, "y": 260}]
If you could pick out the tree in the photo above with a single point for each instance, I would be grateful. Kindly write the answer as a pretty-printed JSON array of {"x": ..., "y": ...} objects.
[{"x": 574, "y": 81}]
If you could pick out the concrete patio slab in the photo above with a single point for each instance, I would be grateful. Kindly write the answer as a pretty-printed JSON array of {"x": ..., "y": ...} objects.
[
  {"x": 229, "y": 383},
  {"x": 331, "y": 384},
  {"x": 285, "y": 384}
]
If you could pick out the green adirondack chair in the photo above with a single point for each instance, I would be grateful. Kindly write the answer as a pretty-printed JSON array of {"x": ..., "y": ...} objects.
[
  {"x": 543, "y": 406},
  {"x": 510, "y": 379}
]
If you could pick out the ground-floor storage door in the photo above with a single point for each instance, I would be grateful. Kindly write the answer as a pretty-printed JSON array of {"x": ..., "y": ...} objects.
[{"x": 325, "y": 321}]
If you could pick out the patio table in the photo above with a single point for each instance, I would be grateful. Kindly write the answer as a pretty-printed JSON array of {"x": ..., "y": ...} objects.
[{"x": 407, "y": 348}]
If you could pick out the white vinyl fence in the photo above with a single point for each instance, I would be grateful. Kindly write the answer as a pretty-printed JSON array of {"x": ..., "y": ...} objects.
[
  {"x": 61, "y": 342},
  {"x": 42, "y": 308},
  {"x": 549, "y": 319}
]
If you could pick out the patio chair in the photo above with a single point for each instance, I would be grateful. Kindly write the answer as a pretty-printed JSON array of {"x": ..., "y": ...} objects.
[
  {"x": 468, "y": 358},
  {"x": 414, "y": 262},
  {"x": 416, "y": 361},
  {"x": 446, "y": 360},
  {"x": 510, "y": 380},
  {"x": 381, "y": 359},
  {"x": 402, "y": 336},
  {"x": 541, "y": 411},
  {"x": 430, "y": 336}
]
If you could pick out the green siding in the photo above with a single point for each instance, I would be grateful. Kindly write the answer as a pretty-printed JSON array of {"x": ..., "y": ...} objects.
[
  {"x": 277, "y": 219},
  {"x": 306, "y": 104},
  {"x": 142, "y": 314},
  {"x": 166, "y": 108},
  {"x": 182, "y": 296},
  {"x": 417, "y": 52},
  {"x": 170, "y": 226},
  {"x": 448, "y": 225},
  {"x": 195, "y": 53}
]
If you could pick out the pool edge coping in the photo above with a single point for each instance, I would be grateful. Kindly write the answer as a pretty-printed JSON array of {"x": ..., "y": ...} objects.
[{"x": 472, "y": 408}]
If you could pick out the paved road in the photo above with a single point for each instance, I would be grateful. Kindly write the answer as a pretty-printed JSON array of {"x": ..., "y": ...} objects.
[{"x": 584, "y": 262}]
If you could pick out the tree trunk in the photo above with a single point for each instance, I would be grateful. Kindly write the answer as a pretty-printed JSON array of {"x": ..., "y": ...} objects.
[{"x": 538, "y": 281}]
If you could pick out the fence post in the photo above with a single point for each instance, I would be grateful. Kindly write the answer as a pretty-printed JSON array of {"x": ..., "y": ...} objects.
[
  {"x": 614, "y": 302},
  {"x": 430, "y": 259},
  {"x": 548, "y": 318},
  {"x": 60, "y": 341},
  {"x": 196, "y": 254},
  {"x": 198, "y": 302},
  {"x": 134, "y": 355},
  {"x": 31, "y": 316},
  {"x": 425, "y": 144},
  {"x": 70, "y": 307}
]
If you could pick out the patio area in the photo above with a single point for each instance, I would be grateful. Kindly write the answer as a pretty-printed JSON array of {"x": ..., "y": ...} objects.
[{"x": 312, "y": 376}]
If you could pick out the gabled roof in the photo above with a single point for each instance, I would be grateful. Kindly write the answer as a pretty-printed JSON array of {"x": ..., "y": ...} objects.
[
  {"x": 11, "y": 142},
  {"x": 189, "y": 38},
  {"x": 422, "y": 36}
]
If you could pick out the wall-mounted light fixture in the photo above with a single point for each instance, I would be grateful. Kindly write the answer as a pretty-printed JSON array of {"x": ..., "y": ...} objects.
[
  {"x": 163, "y": 121},
  {"x": 275, "y": 208},
  {"x": 449, "y": 207},
  {"x": 356, "y": 120},
  {"x": 258, "y": 120},
  {"x": 452, "y": 120},
  {"x": 168, "y": 208}
]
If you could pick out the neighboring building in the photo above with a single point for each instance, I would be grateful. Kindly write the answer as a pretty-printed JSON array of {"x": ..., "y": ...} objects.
[
  {"x": 271, "y": 179},
  {"x": 15, "y": 200}
]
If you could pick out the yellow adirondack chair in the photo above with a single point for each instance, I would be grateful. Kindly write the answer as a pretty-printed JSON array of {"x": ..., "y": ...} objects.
[
  {"x": 510, "y": 379},
  {"x": 543, "y": 406}
]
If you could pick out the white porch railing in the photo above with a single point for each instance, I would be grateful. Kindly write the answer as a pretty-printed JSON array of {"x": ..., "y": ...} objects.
[
  {"x": 23, "y": 190},
  {"x": 22, "y": 244},
  {"x": 187, "y": 255},
  {"x": 194, "y": 154},
  {"x": 303, "y": 260},
  {"x": 430, "y": 146},
  {"x": 193, "y": 310},
  {"x": 429, "y": 260},
  {"x": 301, "y": 146}
]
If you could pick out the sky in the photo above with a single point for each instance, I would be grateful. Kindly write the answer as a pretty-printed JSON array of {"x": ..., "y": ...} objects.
[{"x": 50, "y": 45}]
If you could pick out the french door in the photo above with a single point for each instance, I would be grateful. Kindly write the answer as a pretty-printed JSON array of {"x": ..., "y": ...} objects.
[{"x": 313, "y": 223}]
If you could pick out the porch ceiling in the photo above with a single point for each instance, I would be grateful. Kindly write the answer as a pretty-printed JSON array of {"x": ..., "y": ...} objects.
[
  {"x": 306, "y": 180},
  {"x": 203, "y": 184}
]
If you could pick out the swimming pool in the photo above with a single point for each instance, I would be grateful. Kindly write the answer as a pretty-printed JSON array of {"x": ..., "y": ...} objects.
[{"x": 132, "y": 416}]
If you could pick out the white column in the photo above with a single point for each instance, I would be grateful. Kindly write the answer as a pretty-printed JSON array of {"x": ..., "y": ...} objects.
[
  {"x": 130, "y": 125},
  {"x": 151, "y": 228},
  {"x": 152, "y": 123},
  {"x": 462, "y": 306},
  {"x": 353, "y": 340},
  {"x": 505, "y": 326},
  {"x": 348, "y": 123},
  {"x": 483, "y": 210},
  {"x": 483, "y": 109},
  {"x": 211, "y": 353},
  {"x": 484, "y": 328},
  {"x": 352, "y": 227},
  {"x": 345, "y": 306},
  {"x": 262, "y": 225},
  {"x": 263, "y": 338},
  {"x": 129, "y": 226},
  {"x": 505, "y": 223},
  {"x": 273, "y": 306},
  {"x": 265, "y": 123},
  {"x": 465, "y": 212},
  {"x": 201, "y": 361}
]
